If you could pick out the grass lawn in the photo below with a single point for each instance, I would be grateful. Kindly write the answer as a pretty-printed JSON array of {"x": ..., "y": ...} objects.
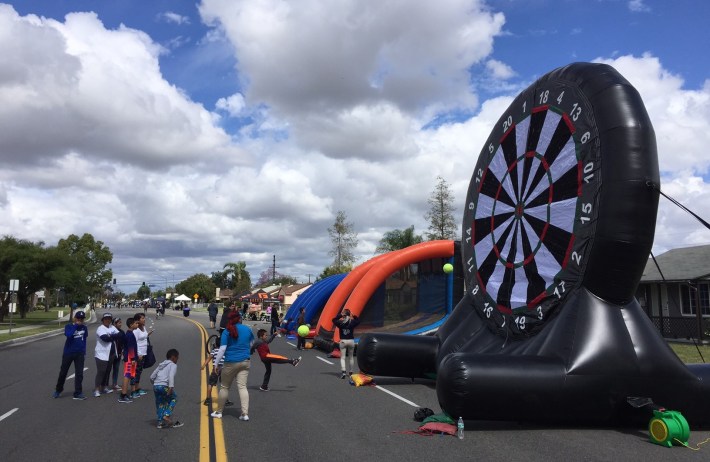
[
  {"x": 688, "y": 353},
  {"x": 25, "y": 333},
  {"x": 34, "y": 317}
]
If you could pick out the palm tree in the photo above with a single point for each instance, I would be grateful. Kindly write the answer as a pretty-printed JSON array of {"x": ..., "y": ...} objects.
[
  {"x": 238, "y": 271},
  {"x": 398, "y": 239}
]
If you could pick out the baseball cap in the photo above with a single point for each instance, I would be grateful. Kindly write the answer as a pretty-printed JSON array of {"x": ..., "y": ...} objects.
[
  {"x": 79, "y": 315},
  {"x": 107, "y": 315}
]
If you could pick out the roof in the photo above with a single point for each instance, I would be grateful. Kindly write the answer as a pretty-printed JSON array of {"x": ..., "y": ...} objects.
[
  {"x": 290, "y": 289},
  {"x": 684, "y": 264}
]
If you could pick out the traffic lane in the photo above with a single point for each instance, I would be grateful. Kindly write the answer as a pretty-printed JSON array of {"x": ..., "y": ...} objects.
[
  {"x": 64, "y": 427},
  {"x": 310, "y": 413}
]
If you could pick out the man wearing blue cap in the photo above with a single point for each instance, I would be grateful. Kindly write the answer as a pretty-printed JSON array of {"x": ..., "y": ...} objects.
[{"x": 74, "y": 351}]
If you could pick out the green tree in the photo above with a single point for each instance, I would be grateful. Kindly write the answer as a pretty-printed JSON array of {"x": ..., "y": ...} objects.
[
  {"x": 344, "y": 240},
  {"x": 143, "y": 292},
  {"x": 440, "y": 215},
  {"x": 332, "y": 270},
  {"x": 32, "y": 264},
  {"x": 267, "y": 278},
  {"x": 398, "y": 239},
  {"x": 89, "y": 259},
  {"x": 200, "y": 284},
  {"x": 239, "y": 277}
]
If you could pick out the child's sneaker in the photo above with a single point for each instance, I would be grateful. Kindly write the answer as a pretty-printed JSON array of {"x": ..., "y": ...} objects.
[
  {"x": 263, "y": 388},
  {"x": 124, "y": 399},
  {"x": 343, "y": 375},
  {"x": 79, "y": 397},
  {"x": 176, "y": 424},
  {"x": 207, "y": 401},
  {"x": 161, "y": 425},
  {"x": 97, "y": 394},
  {"x": 244, "y": 417},
  {"x": 141, "y": 392},
  {"x": 107, "y": 391},
  {"x": 56, "y": 394},
  {"x": 297, "y": 361},
  {"x": 216, "y": 415}
]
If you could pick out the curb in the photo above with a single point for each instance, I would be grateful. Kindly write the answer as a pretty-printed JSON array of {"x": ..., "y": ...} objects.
[{"x": 29, "y": 338}]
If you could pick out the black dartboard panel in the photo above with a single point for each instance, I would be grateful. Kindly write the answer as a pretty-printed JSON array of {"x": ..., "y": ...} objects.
[{"x": 533, "y": 203}]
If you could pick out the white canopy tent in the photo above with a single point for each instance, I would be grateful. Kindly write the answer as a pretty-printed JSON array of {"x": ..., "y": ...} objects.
[{"x": 182, "y": 298}]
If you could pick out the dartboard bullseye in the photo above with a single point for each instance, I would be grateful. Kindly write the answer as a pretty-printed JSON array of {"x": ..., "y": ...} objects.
[{"x": 531, "y": 207}]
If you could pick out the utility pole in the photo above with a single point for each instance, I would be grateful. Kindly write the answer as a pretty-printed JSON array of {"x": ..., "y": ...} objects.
[{"x": 273, "y": 271}]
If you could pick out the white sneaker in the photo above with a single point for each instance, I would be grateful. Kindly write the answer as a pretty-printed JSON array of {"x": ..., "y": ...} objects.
[
  {"x": 107, "y": 391},
  {"x": 217, "y": 415},
  {"x": 244, "y": 417},
  {"x": 97, "y": 394}
]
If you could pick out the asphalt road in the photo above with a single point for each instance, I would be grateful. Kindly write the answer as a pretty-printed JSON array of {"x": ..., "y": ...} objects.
[{"x": 309, "y": 414}]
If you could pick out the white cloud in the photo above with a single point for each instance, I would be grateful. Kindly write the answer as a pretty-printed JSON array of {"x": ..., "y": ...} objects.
[
  {"x": 174, "y": 18},
  {"x": 499, "y": 70},
  {"x": 233, "y": 105},
  {"x": 638, "y": 6}
]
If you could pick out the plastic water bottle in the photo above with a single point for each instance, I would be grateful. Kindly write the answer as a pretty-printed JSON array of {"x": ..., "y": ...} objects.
[{"x": 459, "y": 428}]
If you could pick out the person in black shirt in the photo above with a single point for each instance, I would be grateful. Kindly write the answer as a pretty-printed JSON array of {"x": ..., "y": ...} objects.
[{"x": 346, "y": 323}]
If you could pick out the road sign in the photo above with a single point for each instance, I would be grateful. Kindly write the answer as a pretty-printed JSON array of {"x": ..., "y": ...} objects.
[
  {"x": 14, "y": 285},
  {"x": 196, "y": 296},
  {"x": 13, "y": 307}
]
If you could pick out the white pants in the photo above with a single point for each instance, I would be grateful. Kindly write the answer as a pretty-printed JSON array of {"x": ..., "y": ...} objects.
[{"x": 347, "y": 348}]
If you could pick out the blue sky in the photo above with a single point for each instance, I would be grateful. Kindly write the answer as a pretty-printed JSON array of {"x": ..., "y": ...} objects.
[{"x": 187, "y": 134}]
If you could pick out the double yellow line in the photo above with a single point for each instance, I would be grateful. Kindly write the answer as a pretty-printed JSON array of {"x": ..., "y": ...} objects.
[{"x": 211, "y": 431}]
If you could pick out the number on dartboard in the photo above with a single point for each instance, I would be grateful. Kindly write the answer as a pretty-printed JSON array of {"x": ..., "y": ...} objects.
[
  {"x": 585, "y": 137},
  {"x": 507, "y": 123},
  {"x": 576, "y": 111},
  {"x": 559, "y": 98},
  {"x": 543, "y": 96},
  {"x": 560, "y": 289},
  {"x": 586, "y": 210},
  {"x": 487, "y": 309},
  {"x": 539, "y": 312},
  {"x": 520, "y": 322},
  {"x": 525, "y": 103},
  {"x": 577, "y": 258},
  {"x": 588, "y": 168},
  {"x": 475, "y": 290}
]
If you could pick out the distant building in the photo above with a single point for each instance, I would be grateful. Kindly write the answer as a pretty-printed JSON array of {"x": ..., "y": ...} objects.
[{"x": 675, "y": 292}]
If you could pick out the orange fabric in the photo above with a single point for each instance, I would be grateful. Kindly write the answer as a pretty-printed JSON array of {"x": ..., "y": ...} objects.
[{"x": 272, "y": 356}]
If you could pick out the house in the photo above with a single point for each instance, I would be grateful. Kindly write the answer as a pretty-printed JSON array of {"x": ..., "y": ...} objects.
[
  {"x": 675, "y": 292},
  {"x": 288, "y": 294}
]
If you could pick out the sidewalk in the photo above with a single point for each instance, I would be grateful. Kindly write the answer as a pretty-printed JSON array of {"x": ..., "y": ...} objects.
[{"x": 60, "y": 322}]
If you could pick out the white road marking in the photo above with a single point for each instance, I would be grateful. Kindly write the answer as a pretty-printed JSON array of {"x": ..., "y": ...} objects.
[
  {"x": 8, "y": 414},
  {"x": 396, "y": 396},
  {"x": 291, "y": 344},
  {"x": 325, "y": 360},
  {"x": 72, "y": 376}
]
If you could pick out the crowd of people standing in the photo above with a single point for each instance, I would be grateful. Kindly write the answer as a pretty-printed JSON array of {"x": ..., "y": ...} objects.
[{"x": 231, "y": 361}]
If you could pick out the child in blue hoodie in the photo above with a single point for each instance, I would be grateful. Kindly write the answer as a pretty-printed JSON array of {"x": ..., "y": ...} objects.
[{"x": 74, "y": 352}]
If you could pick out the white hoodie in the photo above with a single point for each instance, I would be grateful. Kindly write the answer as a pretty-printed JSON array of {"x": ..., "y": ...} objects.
[{"x": 164, "y": 374}]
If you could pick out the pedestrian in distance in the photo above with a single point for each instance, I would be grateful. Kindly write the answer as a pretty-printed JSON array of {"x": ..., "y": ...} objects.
[
  {"x": 74, "y": 352},
  {"x": 163, "y": 380},
  {"x": 119, "y": 342},
  {"x": 225, "y": 317},
  {"x": 346, "y": 324},
  {"x": 212, "y": 312},
  {"x": 104, "y": 354},
  {"x": 274, "y": 321},
  {"x": 261, "y": 345},
  {"x": 301, "y": 321},
  {"x": 235, "y": 344}
]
